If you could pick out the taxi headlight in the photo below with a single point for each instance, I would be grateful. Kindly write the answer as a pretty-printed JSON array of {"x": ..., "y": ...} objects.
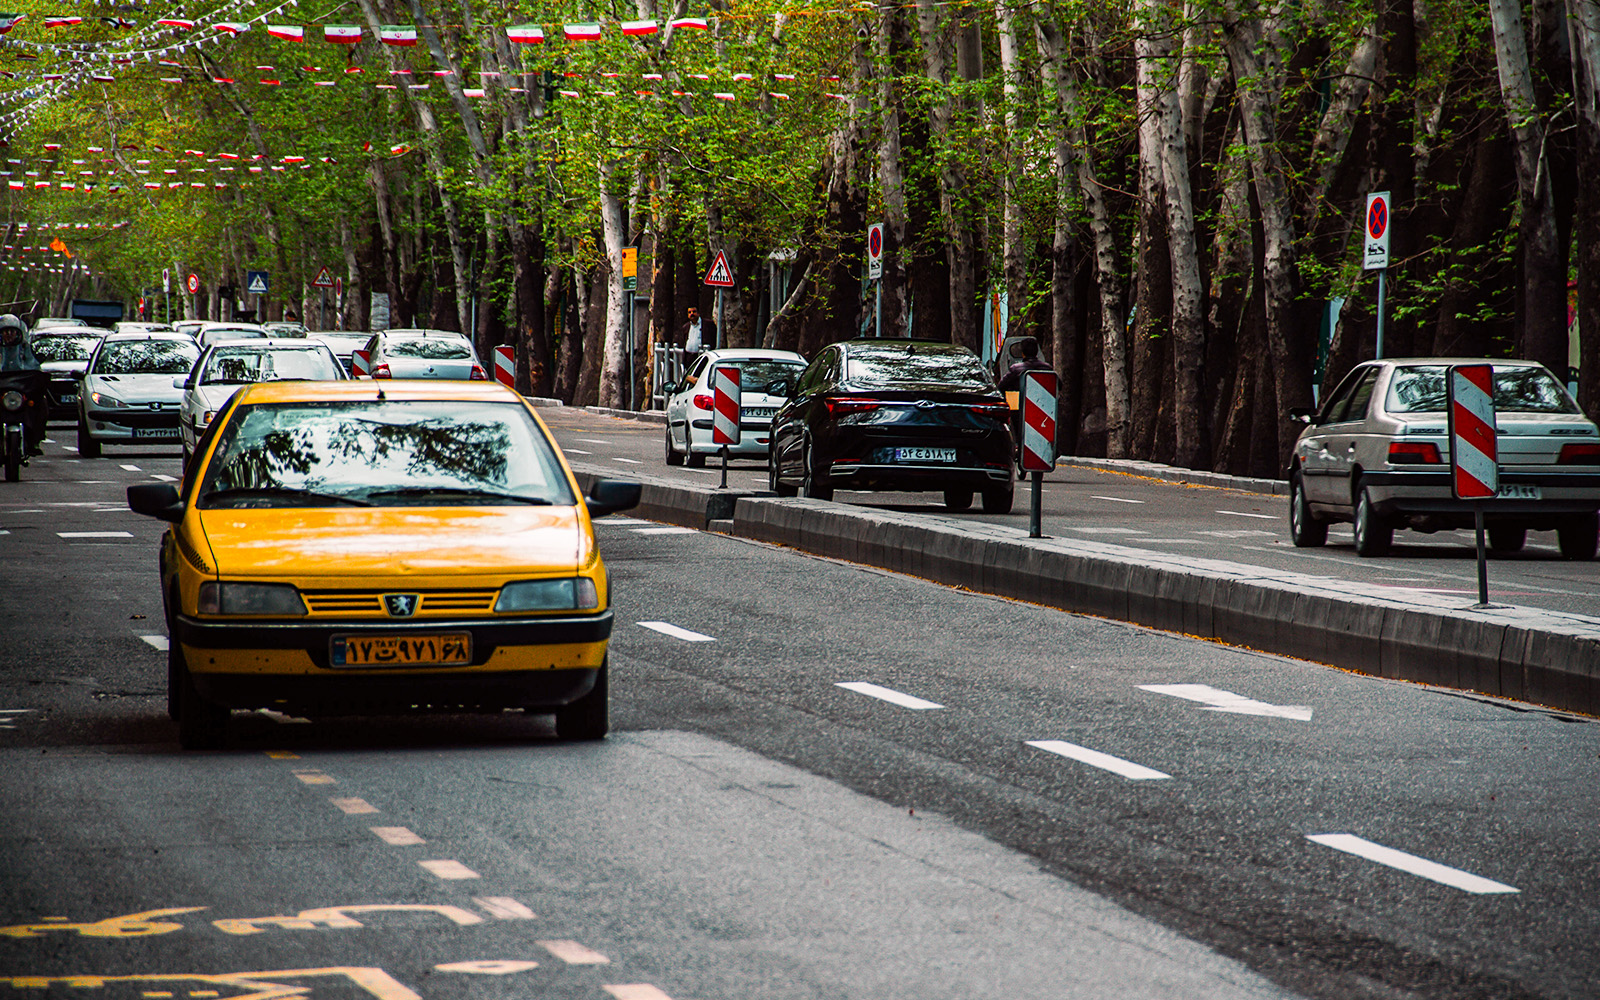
[
  {"x": 12, "y": 400},
  {"x": 570, "y": 594},
  {"x": 250, "y": 599},
  {"x": 107, "y": 400}
]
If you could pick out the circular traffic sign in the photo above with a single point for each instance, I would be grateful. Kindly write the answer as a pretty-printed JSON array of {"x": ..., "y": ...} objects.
[
  {"x": 1377, "y": 218},
  {"x": 875, "y": 241},
  {"x": 194, "y": 284}
]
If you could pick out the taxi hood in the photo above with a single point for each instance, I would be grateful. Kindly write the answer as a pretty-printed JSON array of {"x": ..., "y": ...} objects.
[{"x": 352, "y": 543}]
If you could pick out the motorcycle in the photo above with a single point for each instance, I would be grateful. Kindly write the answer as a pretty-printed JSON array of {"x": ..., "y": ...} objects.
[{"x": 21, "y": 393}]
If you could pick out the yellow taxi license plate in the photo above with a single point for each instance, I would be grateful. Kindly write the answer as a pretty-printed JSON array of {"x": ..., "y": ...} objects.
[{"x": 453, "y": 649}]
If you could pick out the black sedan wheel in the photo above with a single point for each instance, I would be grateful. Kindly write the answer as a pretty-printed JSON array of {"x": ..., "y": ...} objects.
[
  {"x": 957, "y": 499},
  {"x": 813, "y": 485},
  {"x": 998, "y": 499}
]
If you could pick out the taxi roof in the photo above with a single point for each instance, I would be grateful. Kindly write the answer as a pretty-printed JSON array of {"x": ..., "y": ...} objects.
[{"x": 367, "y": 389}]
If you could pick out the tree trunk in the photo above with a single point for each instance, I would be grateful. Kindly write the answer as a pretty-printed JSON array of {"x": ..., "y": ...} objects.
[
  {"x": 1014, "y": 257},
  {"x": 1584, "y": 18},
  {"x": 1153, "y": 281},
  {"x": 960, "y": 250},
  {"x": 614, "y": 368}
]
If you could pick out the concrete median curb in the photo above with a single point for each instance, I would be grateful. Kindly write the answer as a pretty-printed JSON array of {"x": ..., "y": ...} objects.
[{"x": 1545, "y": 657}]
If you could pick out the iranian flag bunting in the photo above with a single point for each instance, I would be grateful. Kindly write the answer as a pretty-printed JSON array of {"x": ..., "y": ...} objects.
[
  {"x": 639, "y": 27},
  {"x": 287, "y": 32},
  {"x": 586, "y": 32},
  {"x": 341, "y": 34},
  {"x": 176, "y": 22},
  {"x": 9, "y": 21},
  {"x": 231, "y": 27},
  {"x": 397, "y": 34},
  {"x": 698, "y": 23},
  {"x": 525, "y": 34},
  {"x": 62, "y": 21}
]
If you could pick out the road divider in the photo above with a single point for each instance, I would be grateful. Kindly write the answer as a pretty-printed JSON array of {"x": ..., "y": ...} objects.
[{"x": 1528, "y": 654}]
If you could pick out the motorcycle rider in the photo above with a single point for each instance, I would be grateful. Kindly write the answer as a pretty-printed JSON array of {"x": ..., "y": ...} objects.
[{"x": 16, "y": 355}]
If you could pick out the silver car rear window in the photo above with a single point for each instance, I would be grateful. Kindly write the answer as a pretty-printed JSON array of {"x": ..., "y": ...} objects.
[
  {"x": 1517, "y": 389},
  {"x": 430, "y": 349}
]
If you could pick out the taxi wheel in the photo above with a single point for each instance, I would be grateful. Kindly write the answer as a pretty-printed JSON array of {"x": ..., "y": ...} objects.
[
  {"x": 673, "y": 458},
  {"x": 201, "y": 724},
  {"x": 957, "y": 499},
  {"x": 1580, "y": 537},
  {"x": 1304, "y": 529},
  {"x": 88, "y": 447},
  {"x": 1373, "y": 534},
  {"x": 998, "y": 499},
  {"x": 585, "y": 719}
]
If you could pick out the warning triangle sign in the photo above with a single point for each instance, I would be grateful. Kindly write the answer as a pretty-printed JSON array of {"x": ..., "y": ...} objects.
[
  {"x": 258, "y": 285},
  {"x": 720, "y": 275},
  {"x": 324, "y": 279}
]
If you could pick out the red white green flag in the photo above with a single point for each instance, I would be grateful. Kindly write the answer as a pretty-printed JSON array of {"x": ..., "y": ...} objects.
[
  {"x": 176, "y": 22},
  {"x": 639, "y": 27},
  {"x": 341, "y": 34},
  {"x": 62, "y": 20},
  {"x": 525, "y": 34},
  {"x": 698, "y": 23},
  {"x": 397, "y": 34},
  {"x": 585, "y": 32},
  {"x": 231, "y": 27},
  {"x": 287, "y": 32},
  {"x": 9, "y": 21}
]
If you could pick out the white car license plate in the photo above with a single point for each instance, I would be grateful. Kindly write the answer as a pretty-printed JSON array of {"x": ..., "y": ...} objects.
[
  {"x": 1517, "y": 491},
  {"x": 69, "y": 397},
  {"x": 155, "y": 432},
  {"x": 758, "y": 411},
  {"x": 924, "y": 454}
]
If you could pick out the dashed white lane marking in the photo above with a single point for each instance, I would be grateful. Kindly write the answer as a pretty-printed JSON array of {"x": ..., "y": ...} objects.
[
  {"x": 577, "y": 451},
  {"x": 667, "y": 628},
  {"x": 354, "y": 807},
  {"x": 160, "y": 642},
  {"x": 4, "y": 532},
  {"x": 112, "y": 510},
  {"x": 315, "y": 778},
  {"x": 164, "y": 479},
  {"x": 1218, "y": 700},
  {"x": 1432, "y": 870},
  {"x": 1172, "y": 541},
  {"x": 7, "y": 716},
  {"x": 445, "y": 868},
  {"x": 282, "y": 719},
  {"x": 573, "y": 953},
  {"x": 396, "y": 836},
  {"x": 1239, "y": 533},
  {"x": 1094, "y": 758},
  {"x": 621, "y": 520},
  {"x": 503, "y": 908},
  {"x": 94, "y": 534},
  {"x": 133, "y": 468},
  {"x": 1107, "y": 531},
  {"x": 1240, "y": 513},
  {"x": 1115, "y": 499},
  {"x": 888, "y": 694},
  {"x": 635, "y": 991},
  {"x": 630, "y": 461},
  {"x": 593, "y": 440},
  {"x": 486, "y": 967},
  {"x": 665, "y": 531}
]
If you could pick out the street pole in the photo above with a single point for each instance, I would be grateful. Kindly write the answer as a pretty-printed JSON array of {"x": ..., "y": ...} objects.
[
  {"x": 630, "y": 349},
  {"x": 877, "y": 311},
  {"x": 1381, "y": 272},
  {"x": 719, "y": 320},
  {"x": 1036, "y": 514}
]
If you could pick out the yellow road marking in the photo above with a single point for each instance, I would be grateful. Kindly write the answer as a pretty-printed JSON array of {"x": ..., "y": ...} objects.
[
  {"x": 448, "y": 869},
  {"x": 129, "y": 926},
  {"x": 255, "y": 985},
  {"x": 314, "y": 778},
  {"x": 354, "y": 807},
  {"x": 573, "y": 953},
  {"x": 282, "y": 755},
  {"x": 397, "y": 836}
]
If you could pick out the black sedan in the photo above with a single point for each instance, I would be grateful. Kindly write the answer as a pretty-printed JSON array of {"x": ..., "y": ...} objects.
[{"x": 894, "y": 415}]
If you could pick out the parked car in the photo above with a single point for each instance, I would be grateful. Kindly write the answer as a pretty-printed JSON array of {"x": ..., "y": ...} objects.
[
  {"x": 1377, "y": 454},
  {"x": 63, "y": 354},
  {"x": 210, "y": 333},
  {"x": 285, "y": 328},
  {"x": 128, "y": 396},
  {"x": 337, "y": 551},
  {"x": 899, "y": 415},
  {"x": 344, "y": 345},
  {"x": 689, "y": 404},
  {"x": 228, "y": 365},
  {"x": 141, "y": 326},
  {"x": 423, "y": 354}
]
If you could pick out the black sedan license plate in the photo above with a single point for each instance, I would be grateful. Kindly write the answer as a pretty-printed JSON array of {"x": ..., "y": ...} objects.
[
  {"x": 449, "y": 650},
  {"x": 924, "y": 454}
]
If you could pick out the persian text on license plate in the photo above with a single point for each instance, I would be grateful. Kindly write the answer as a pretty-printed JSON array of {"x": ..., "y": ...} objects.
[
  {"x": 1518, "y": 491},
  {"x": 155, "y": 432},
  {"x": 448, "y": 650},
  {"x": 758, "y": 411},
  {"x": 924, "y": 454}
]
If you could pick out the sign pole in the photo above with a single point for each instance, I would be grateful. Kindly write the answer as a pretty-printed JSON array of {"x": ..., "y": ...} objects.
[
  {"x": 1483, "y": 558},
  {"x": 1036, "y": 512},
  {"x": 1381, "y": 272},
  {"x": 630, "y": 350}
]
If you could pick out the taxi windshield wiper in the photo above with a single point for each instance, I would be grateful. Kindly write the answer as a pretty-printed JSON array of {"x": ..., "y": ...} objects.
[
  {"x": 286, "y": 492},
  {"x": 458, "y": 491}
]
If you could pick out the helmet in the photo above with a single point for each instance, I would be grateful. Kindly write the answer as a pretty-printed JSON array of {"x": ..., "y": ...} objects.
[{"x": 9, "y": 321}]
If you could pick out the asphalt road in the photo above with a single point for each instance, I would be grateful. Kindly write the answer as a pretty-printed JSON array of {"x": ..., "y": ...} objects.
[
  {"x": 1142, "y": 513},
  {"x": 823, "y": 781}
]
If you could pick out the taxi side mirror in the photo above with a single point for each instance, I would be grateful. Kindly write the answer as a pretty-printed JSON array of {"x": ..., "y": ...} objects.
[
  {"x": 606, "y": 496},
  {"x": 157, "y": 500}
]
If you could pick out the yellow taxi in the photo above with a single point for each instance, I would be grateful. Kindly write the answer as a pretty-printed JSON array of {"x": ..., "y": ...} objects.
[{"x": 342, "y": 547}]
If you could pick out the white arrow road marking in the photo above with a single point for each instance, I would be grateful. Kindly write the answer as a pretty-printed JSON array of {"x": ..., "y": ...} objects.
[
  {"x": 667, "y": 628},
  {"x": 573, "y": 953},
  {"x": 1453, "y": 877},
  {"x": 7, "y": 716},
  {"x": 490, "y": 967},
  {"x": 888, "y": 694},
  {"x": 1218, "y": 700},
  {"x": 1104, "y": 761},
  {"x": 158, "y": 641}
]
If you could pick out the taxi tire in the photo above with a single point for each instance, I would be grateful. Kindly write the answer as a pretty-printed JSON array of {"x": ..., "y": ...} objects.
[
  {"x": 202, "y": 725},
  {"x": 673, "y": 458},
  {"x": 586, "y": 718},
  {"x": 1373, "y": 534},
  {"x": 88, "y": 447},
  {"x": 1579, "y": 538},
  {"x": 1305, "y": 530},
  {"x": 999, "y": 499},
  {"x": 957, "y": 499}
]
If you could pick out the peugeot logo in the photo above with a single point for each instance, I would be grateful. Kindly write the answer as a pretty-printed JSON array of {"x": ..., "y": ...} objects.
[
  {"x": 400, "y": 605},
  {"x": 155, "y": 406}
]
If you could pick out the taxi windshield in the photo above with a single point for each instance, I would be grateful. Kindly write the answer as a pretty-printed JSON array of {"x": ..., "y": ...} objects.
[
  {"x": 146, "y": 357},
  {"x": 242, "y": 365},
  {"x": 382, "y": 453}
]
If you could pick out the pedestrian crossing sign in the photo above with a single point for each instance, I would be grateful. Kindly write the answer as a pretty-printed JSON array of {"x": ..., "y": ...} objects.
[
  {"x": 256, "y": 282},
  {"x": 720, "y": 275}
]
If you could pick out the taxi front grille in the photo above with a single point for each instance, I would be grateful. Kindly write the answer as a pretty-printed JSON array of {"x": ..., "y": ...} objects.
[{"x": 473, "y": 600}]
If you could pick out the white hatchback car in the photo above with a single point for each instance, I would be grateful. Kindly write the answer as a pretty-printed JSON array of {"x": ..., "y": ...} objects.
[
  {"x": 689, "y": 404},
  {"x": 229, "y": 365}
]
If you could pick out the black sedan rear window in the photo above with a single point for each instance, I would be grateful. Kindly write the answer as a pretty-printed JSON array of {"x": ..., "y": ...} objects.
[
  {"x": 918, "y": 364},
  {"x": 1517, "y": 389}
]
